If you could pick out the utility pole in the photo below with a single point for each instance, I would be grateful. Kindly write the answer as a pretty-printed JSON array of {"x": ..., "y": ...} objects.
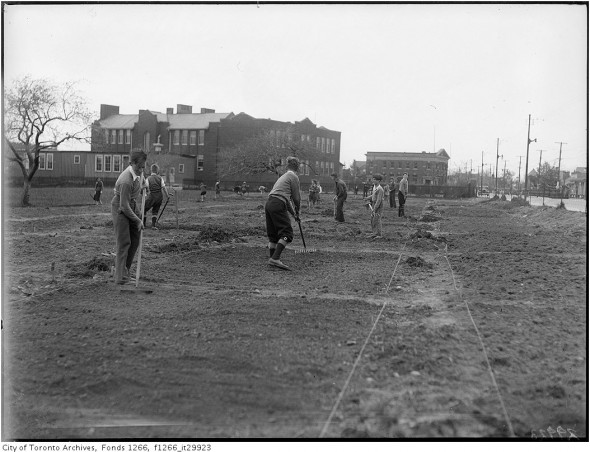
[
  {"x": 481, "y": 186},
  {"x": 539, "y": 176},
  {"x": 559, "y": 173},
  {"x": 504, "y": 178},
  {"x": 526, "y": 168},
  {"x": 519, "y": 162},
  {"x": 497, "y": 157}
]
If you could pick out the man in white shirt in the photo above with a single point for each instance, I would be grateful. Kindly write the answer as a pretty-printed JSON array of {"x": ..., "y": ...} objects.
[
  {"x": 402, "y": 194},
  {"x": 376, "y": 200}
]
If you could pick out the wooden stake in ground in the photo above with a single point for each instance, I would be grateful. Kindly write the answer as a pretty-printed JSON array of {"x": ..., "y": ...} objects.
[{"x": 176, "y": 195}]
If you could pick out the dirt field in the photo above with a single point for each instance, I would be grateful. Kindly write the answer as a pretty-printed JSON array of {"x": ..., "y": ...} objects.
[{"x": 467, "y": 320}]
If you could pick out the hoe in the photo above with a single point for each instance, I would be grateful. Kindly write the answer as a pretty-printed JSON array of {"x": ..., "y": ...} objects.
[{"x": 304, "y": 250}]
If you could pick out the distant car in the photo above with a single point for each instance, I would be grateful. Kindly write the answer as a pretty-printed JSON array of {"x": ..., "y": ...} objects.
[{"x": 483, "y": 192}]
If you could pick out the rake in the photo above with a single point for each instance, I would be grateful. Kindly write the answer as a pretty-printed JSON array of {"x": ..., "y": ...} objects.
[{"x": 304, "y": 250}]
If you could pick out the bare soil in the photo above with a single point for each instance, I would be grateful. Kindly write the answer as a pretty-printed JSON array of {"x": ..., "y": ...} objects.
[{"x": 468, "y": 319}]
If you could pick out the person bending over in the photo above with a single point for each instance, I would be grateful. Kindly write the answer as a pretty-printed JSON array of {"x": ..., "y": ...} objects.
[{"x": 285, "y": 191}]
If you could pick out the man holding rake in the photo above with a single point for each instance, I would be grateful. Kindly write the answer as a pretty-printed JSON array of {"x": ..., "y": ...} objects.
[
  {"x": 127, "y": 214},
  {"x": 278, "y": 206}
]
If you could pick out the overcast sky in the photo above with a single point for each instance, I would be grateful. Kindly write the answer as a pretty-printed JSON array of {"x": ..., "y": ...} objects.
[{"x": 395, "y": 77}]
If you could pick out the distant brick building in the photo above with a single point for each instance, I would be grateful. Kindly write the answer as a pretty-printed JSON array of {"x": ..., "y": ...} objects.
[
  {"x": 423, "y": 168},
  {"x": 187, "y": 144},
  {"x": 181, "y": 143}
]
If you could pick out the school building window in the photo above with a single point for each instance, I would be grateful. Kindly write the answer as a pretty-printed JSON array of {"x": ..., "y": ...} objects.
[
  {"x": 120, "y": 137},
  {"x": 317, "y": 143},
  {"x": 76, "y": 159},
  {"x": 415, "y": 165},
  {"x": 184, "y": 137},
  {"x": 107, "y": 163},
  {"x": 307, "y": 167},
  {"x": 113, "y": 136},
  {"x": 98, "y": 163},
  {"x": 176, "y": 137},
  {"x": 42, "y": 161},
  {"x": 106, "y": 135},
  {"x": 331, "y": 167},
  {"x": 200, "y": 162},
  {"x": 201, "y": 137},
  {"x": 128, "y": 137},
  {"x": 181, "y": 168},
  {"x": 193, "y": 138},
  {"x": 116, "y": 163}
]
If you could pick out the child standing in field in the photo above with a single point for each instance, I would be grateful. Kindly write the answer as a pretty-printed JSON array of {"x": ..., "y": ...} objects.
[
  {"x": 376, "y": 203},
  {"x": 314, "y": 193},
  {"x": 203, "y": 188},
  {"x": 217, "y": 189},
  {"x": 98, "y": 191}
]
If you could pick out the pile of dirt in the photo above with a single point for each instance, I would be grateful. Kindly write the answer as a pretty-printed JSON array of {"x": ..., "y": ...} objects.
[
  {"x": 90, "y": 268},
  {"x": 519, "y": 202},
  {"x": 429, "y": 217},
  {"x": 422, "y": 233},
  {"x": 215, "y": 234},
  {"x": 417, "y": 261},
  {"x": 176, "y": 246}
]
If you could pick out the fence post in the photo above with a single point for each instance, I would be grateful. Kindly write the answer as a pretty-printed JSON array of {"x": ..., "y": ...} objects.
[{"x": 176, "y": 206}]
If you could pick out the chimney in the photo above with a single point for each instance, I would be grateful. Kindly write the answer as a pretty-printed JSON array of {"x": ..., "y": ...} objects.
[
  {"x": 170, "y": 111},
  {"x": 180, "y": 109},
  {"x": 108, "y": 110},
  {"x": 207, "y": 110}
]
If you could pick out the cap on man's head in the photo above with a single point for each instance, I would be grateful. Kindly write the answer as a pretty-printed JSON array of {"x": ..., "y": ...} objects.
[
  {"x": 378, "y": 177},
  {"x": 333, "y": 175}
]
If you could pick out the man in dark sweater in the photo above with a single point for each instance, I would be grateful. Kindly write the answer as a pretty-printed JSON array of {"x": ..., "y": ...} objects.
[
  {"x": 156, "y": 192},
  {"x": 341, "y": 194},
  {"x": 278, "y": 206}
]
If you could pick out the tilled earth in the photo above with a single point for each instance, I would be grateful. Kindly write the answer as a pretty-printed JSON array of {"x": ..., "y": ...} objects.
[{"x": 468, "y": 319}]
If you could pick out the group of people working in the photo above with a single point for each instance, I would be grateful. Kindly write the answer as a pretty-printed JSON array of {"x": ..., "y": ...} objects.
[{"x": 283, "y": 200}]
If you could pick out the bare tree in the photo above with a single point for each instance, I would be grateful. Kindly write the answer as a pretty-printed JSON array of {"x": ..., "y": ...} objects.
[
  {"x": 40, "y": 115},
  {"x": 265, "y": 153}
]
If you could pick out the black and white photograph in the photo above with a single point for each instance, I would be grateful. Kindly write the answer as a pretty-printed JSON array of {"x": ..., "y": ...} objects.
[{"x": 293, "y": 221}]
